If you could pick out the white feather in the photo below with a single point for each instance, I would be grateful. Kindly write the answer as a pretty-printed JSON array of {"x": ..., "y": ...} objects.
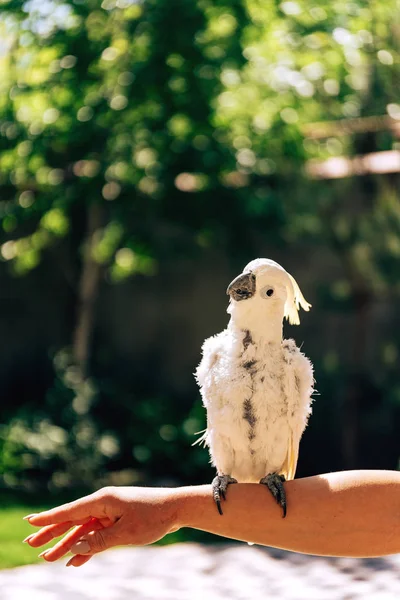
[{"x": 256, "y": 387}]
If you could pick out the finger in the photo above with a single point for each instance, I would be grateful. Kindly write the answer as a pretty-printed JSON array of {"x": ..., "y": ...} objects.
[
  {"x": 64, "y": 545},
  {"x": 45, "y": 535},
  {"x": 100, "y": 540},
  {"x": 82, "y": 509},
  {"x": 50, "y": 532},
  {"x": 78, "y": 560}
]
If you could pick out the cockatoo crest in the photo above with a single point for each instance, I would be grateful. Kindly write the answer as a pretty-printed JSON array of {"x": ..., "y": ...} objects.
[{"x": 295, "y": 298}]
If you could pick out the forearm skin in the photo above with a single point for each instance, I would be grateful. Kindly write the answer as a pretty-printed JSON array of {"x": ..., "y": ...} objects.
[{"x": 350, "y": 513}]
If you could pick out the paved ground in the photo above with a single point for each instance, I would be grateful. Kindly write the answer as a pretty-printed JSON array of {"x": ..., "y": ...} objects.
[{"x": 196, "y": 572}]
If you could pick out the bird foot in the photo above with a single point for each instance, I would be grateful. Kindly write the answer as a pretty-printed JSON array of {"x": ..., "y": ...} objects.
[
  {"x": 219, "y": 486},
  {"x": 274, "y": 483}
]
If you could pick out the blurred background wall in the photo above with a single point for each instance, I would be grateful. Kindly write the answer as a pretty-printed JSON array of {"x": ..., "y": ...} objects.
[{"x": 149, "y": 150}]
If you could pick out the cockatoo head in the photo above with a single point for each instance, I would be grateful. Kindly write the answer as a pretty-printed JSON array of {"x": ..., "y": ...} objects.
[{"x": 265, "y": 291}]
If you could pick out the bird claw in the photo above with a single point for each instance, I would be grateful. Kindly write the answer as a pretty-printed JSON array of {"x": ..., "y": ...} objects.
[
  {"x": 274, "y": 483},
  {"x": 219, "y": 487}
]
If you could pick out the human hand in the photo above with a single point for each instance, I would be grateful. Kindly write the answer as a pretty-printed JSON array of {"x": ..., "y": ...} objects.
[{"x": 113, "y": 516}]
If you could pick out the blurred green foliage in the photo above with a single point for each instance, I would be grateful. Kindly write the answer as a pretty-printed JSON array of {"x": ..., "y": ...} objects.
[{"x": 136, "y": 132}]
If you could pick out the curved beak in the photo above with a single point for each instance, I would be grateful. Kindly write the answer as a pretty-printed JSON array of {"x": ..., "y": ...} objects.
[{"x": 242, "y": 287}]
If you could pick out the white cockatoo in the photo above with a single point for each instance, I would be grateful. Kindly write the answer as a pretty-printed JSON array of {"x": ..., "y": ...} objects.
[{"x": 256, "y": 386}]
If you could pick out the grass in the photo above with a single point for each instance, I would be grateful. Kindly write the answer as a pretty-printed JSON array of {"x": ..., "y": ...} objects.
[{"x": 13, "y": 530}]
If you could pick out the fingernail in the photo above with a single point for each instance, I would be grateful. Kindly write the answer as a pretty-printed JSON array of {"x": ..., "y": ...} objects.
[
  {"x": 81, "y": 547},
  {"x": 41, "y": 555},
  {"x": 26, "y": 540},
  {"x": 30, "y": 516},
  {"x": 69, "y": 563}
]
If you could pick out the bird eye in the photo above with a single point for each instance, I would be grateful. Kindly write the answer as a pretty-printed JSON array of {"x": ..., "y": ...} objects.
[{"x": 267, "y": 291}]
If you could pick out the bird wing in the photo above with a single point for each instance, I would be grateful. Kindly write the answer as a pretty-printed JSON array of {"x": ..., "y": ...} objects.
[
  {"x": 205, "y": 377},
  {"x": 300, "y": 383},
  {"x": 289, "y": 467},
  {"x": 211, "y": 350}
]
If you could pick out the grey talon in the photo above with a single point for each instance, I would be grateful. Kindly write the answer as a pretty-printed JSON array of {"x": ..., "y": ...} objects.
[
  {"x": 219, "y": 487},
  {"x": 274, "y": 483}
]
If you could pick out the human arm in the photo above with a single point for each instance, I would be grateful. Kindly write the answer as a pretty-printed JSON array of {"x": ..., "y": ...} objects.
[{"x": 353, "y": 513}]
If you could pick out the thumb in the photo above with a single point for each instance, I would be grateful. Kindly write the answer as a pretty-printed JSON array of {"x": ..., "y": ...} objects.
[{"x": 97, "y": 541}]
